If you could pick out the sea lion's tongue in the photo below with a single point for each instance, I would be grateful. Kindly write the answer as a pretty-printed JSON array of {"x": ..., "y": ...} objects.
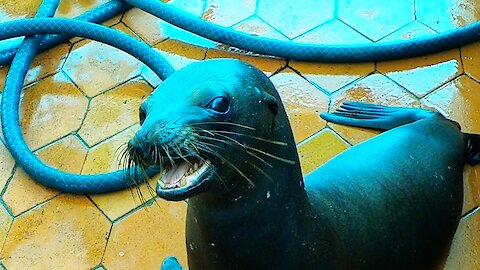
[{"x": 172, "y": 177}]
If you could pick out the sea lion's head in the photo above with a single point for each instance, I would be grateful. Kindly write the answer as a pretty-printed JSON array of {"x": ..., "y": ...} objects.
[{"x": 209, "y": 127}]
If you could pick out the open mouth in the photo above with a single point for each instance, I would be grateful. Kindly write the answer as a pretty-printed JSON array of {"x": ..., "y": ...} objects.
[{"x": 184, "y": 179}]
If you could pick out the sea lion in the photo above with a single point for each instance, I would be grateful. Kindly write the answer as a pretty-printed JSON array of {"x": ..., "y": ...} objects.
[{"x": 221, "y": 134}]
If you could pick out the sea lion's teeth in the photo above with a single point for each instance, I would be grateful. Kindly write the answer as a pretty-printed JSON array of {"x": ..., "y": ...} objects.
[
  {"x": 195, "y": 166},
  {"x": 183, "y": 181},
  {"x": 162, "y": 184}
]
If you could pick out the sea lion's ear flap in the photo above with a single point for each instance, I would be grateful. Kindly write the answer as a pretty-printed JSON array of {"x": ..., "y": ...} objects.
[{"x": 271, "y": 102}]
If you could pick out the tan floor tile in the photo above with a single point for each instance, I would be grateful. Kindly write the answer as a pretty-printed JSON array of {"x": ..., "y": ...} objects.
[
  {"x": 376, "y": 19},
  {"x": 154, "y": 30},
  {"x": 113, "y": 111},
  {"x": 143, "y": 239},
  {"x": 5, "y": 223},
  {"x": 412, "y": 30},
  {"x": 67, "y": 232},
  {"x": 228, "y": 13},
  {"x": 320, "y": 148},
  {"x": 421, "y": 75},
  {"x": 333, "y": 32},
  {"x": 332, "y": 76},
  {"x": 443, "y": 15},
  {"x": 295, "y": 18},
  {"x": 303, "y": 103},
  {"x": 97, "y": 67},
  {"x": 471, "y": 179},
  {"x": 104, "y": 158},
  {"x": 51, "y": 109},
  {"x": 13, "y": 9},
  {"x": 376, "y": 89},
  {"x": 24, "y": 193},
  {"x": 265, "y": 64},
  {"x": 73, "y": 8},
  {"x": 6, "y": 165},
  {"x": 470, "y": 56},
  {"x": 45, "y": 64},
  {"x": 180, "y": 54},
  {"x": 465, "y": 249},
  {"x": 459, "y": 101}
]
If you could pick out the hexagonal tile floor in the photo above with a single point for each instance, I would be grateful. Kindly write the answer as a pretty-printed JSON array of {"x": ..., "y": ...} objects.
[{"x": 81, "y": 100}]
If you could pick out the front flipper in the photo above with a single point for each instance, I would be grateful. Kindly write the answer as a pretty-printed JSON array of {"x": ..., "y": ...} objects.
[{"x": 359, "y": 114}]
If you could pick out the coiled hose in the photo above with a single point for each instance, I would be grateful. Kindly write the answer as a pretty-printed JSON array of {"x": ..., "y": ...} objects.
[{"x": 65, "y": 28}]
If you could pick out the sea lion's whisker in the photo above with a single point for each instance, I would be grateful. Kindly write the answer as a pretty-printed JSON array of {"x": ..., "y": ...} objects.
[
  {"x": 172, "y": 162},
  {"x": 179, "y": 153},
  {"x": 223, "y": 123},
  {"x": 247, "y": 135},
  {"x": 197, "y": 155},
  {"x": 261, "y": 171},
  {"x": 271, "y": 155},
  {"x": 243, "y": 147},
  {"x": 255, "y": 149},
  {"x": 228, "y": 162}
]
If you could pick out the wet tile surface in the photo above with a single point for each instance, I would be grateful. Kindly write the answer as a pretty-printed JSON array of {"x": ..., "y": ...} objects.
[{"x": 80, "y": 106}]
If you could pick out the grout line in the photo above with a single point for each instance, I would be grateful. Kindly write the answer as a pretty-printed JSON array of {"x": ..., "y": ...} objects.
[{"x": 39, "y": 205}]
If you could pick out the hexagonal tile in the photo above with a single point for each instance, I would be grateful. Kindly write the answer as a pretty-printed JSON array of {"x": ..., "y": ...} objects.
[
  {"x": 5, "y": 223},
  {"x": 303, "y": 103},
  {"x": 113, "y": 111},
  {"x": 459, "y": 101},
  {"x": 6, "y": 165},
  {"x": 228, "y": 13},
  {"x": 376, "y": 89},
  {"x": 318, "y": 149},
  {"x": 376, "y": 19},
  {"x": 295, "y": 18},
  {"x": 332, "y": 76},
  {"x": 471, "y": 188},
  {"x": 43, "y": 65},
  {"x": 103, "y": 158},
  {"x": 443, "y": 15},
  {"x": 465, "y": 249},
  {"x": 67, "y": 231},
  {"x": 470, "y": 56},
  {"x": 180, "y": 54},
  {"x": 421, "y": 75},
  {"x": 24, "y": 193},
  {"x": 51, "y": 109},
  {"x": 159, "y": 231},
  {"x": 333, "y": 32},
  {"x": 97, "y": 67},
  {"x": 412, "y": 30},
  {"x": 153, "y": 30}
]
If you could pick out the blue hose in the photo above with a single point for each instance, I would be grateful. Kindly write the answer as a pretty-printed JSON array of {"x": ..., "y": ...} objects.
[{"x": 65, "y": 28}]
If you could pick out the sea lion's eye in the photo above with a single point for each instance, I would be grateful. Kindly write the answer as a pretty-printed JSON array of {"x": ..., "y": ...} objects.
[
  {"x": 219, "y": 104},
  {"x": 142, "y": 115}
]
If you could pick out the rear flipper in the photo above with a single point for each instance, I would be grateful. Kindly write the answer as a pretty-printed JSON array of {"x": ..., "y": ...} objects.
[{"x": 359, "y": 114}]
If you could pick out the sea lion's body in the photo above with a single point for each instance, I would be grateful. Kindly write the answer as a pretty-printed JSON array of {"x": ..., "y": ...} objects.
[{"x": 392, "y": 202}]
